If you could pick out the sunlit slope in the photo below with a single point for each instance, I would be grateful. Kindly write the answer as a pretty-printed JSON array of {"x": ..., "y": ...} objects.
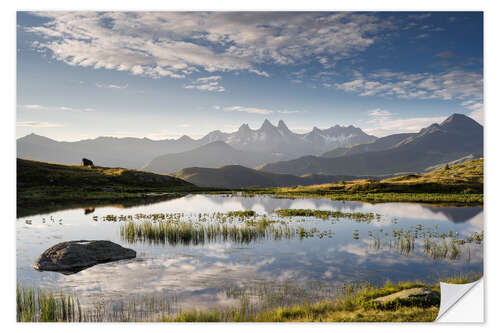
[
  {"x": 464, "y": 178},
  {"x": 33, "y": 176}
]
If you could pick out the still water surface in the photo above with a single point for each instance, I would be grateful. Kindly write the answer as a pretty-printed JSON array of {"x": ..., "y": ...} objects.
[{"x": 197, "y": 275}]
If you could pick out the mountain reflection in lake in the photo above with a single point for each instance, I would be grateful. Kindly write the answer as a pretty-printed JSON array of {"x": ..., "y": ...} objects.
[{"x": 198, "y": 274}]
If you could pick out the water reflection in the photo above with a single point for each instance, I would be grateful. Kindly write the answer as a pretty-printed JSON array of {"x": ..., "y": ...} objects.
[
  {"x": 197, "y": 275},
  {"x": 26, "y": 209}
]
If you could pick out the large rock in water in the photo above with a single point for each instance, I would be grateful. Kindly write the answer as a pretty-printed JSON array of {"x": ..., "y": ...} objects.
[
  {"x": 422, "y": 295},
  {"x": 74, "y": 256}
]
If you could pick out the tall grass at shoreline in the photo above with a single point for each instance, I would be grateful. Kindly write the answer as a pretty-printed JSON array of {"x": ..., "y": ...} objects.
[
  {"x": 349, "y": 302},
  {"x": 39, "y": 305},
  {"x": 189, "y": 233}
]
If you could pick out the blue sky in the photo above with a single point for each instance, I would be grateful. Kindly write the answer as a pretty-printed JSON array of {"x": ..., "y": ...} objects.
[{"x": 165, "y": 74}]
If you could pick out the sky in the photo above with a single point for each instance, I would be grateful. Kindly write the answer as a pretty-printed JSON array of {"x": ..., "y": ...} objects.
[{"x": 165, "y": 74}]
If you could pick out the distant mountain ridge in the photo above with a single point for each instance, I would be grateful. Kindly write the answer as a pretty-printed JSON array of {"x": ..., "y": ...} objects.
[
  {"x": 131, "y": 153},
  {"x": 281, "y": 140},
  {"x": 454, "y": 138},
  {"x": 276, "y": 141},
  {"x": 237, "y": 176},
  {"x": 211, "y": 155},
  {"x": 384, "y": 143}
]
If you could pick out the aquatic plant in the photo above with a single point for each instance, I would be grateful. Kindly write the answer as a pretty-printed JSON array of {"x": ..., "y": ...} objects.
[
  {"x": 266, "y": 301},
  {"x": 241, "y": 213},
  {"x": 189, "y": 233},
  {"x": 38, "y": 305},
  {"x": 327, "y": 214}
]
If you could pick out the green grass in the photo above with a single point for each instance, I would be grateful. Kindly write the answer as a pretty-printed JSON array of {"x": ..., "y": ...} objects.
[
  {"x": 431, "y": 198},
  {"x": 236, "y": 226},
  {"x": 352, "y": 302},
  {"x": 460, "y": 184},
  {"x": 241, "y": 213},
  {"x": 39, "y": 181},
  {"x": 38, "y": 305},
  {"x": 189, "y": 233},
  {"x": 327, "y": 214},
  {"x": 46, "y": 187},
  {"x": 355, "y": 303}
]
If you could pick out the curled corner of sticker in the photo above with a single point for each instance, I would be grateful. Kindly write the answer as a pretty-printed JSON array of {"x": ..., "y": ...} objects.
[{"x": 451, "y": 294}]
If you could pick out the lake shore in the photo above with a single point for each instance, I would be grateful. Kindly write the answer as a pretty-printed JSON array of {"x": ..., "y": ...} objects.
[
  {"x": 42, "y": 184},
  {"x": 355, "y": 304}
]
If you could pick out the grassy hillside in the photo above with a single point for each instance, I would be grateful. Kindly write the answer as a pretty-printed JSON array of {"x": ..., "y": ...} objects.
[
  {"x": 460, "y": 183},
  {"x": 39, "y": 181},
  {"x": 236, "y": 176}
]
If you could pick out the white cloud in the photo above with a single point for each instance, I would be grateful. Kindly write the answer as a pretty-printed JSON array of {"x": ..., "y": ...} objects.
[
  {"x": 379, "y": 113},
  {"x": 383, "y": 122},
  {"x": 38, "y": 124},
  {"x": 111, "y": 86},
  {"x": 210, "y": 83},
  {"x": 477, "y": 110},
  {"x": 478, "y": 116},
  {"x": 176, "y": 44},
  {"x": 462, "y": 86},
  {"x": 388, "y": 126},
  {"x": 288, "y": 111},
  {"x": 257, "y": 110},
  {"x": 207, "y": 79},
  {"x": 53, "y": 108},
  {"x": 455, "y": 84},
  {"x": 248, "y": 109},
  {"x": 33, "y": 106}
]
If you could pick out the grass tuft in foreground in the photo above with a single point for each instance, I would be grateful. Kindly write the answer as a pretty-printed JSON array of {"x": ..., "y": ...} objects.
[
  {"x": 38, "y": 305},
  {"x": 350, "y": 303}
]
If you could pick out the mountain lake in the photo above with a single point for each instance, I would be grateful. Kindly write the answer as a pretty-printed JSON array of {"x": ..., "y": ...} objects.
[{"x": 297, "y": 257}]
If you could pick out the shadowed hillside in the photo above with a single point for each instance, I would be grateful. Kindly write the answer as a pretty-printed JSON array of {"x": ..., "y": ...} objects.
[
  {"x": 387, "y": 142},
  {"x": 236, "y": 176},
  {"x": 211, "y": 155}
]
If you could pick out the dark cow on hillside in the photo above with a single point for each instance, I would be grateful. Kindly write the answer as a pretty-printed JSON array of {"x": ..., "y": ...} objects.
[{"x": 87, "y": 162}]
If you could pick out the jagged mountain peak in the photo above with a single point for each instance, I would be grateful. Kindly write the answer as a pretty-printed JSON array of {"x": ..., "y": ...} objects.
[
  {"x": 185, "y": 138},
  {"x": 456, "y": 117},
  {"x": 35, "y": 138},
  {"x": 244, "y": 127},
  {"x": 267, "y": 125},
  {"x": 283, "y": 128},
  {"x": 460, "y": 122},
  {"x": 282, "y": 125}
]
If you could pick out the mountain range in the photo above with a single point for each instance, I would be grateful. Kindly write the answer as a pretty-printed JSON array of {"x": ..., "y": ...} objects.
[
  {"x": 274, "y": 155},
  {"x": 281, "y": 140},
  {"x": 454, "y": 138},
  {"x": 273, "y": 143},
  {"x": 211, "y": 155}
]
